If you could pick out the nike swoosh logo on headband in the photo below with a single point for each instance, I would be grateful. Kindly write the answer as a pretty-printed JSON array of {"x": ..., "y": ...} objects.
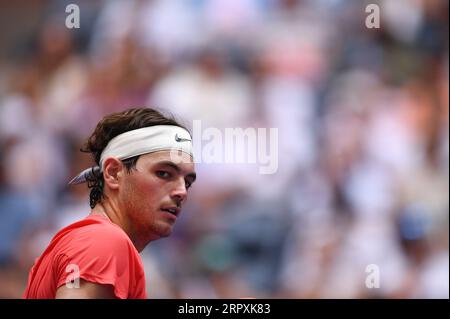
[{"x": 180, "y": 139}]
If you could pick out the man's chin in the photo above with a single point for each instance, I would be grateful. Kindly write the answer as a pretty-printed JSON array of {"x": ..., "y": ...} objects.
[
  {"x": 155, "y": 235},
  {"x": 164, "y": 231},
  {"x": 165, "y": 234}
]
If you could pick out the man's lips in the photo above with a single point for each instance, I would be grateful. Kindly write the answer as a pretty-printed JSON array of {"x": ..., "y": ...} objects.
[{"x": 174, "y": 210}]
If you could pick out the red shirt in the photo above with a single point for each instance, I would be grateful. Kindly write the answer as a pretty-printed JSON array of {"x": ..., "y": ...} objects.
[{"x": 96, "y": 249}]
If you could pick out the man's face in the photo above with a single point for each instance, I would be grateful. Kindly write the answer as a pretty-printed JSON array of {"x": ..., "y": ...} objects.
[{"x": 153, "y": 193}]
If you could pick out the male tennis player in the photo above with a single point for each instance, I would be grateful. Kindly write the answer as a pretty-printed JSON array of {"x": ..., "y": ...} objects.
[{"x": 145, "y": 167}]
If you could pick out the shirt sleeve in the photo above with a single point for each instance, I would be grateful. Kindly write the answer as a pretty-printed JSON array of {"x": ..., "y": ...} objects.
[{"x": 100, "y": 255}]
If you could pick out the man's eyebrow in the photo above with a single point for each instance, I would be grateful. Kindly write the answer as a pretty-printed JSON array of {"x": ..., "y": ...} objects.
[{"x": 192, "y": 175}]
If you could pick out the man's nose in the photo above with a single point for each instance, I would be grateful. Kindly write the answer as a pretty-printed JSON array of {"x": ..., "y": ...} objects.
[{"x": 180, "y": 192}]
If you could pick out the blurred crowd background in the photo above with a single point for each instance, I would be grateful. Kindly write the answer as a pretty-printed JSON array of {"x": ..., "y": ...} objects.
[{"x": 362, "y": 115}]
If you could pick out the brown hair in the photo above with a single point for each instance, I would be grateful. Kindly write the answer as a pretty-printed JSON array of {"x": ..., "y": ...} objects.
[{"x": 111, "y": 126}]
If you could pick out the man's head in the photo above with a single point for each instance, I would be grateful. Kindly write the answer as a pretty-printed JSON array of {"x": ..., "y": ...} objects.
[{"x": 146, "y": 190}]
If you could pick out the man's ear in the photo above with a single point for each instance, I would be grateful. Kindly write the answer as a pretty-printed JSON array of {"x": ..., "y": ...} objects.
[{"x": 112, "y": 171}]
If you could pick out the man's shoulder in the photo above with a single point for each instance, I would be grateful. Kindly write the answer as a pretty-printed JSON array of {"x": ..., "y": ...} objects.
[{"x": 95, "y": 232}]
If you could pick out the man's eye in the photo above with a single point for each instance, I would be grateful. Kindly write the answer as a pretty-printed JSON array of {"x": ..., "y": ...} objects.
[
  {"x": 188, "y": 185},
  {"x": 163, "y": 174}
]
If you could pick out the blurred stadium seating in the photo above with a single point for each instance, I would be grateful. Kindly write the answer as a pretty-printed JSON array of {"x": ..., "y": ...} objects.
[{"x": 363, "y": 126}]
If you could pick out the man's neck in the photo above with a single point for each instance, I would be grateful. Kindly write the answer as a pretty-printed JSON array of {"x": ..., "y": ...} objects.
[{"x": 106, "y": 209}]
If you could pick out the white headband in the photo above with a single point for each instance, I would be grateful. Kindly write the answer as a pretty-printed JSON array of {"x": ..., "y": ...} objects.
[{"x": 141, "y": 141}]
